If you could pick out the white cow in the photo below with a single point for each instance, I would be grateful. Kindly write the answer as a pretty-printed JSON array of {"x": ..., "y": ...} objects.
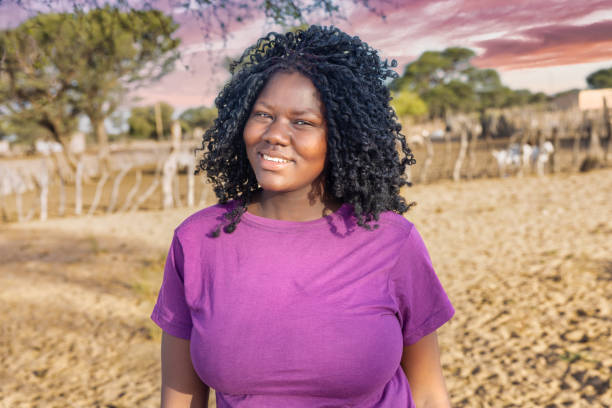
[
  {"x": 510, "y": 157},
  {"x": 546, "y": 150},
  {"x": 537, "y": 157}
]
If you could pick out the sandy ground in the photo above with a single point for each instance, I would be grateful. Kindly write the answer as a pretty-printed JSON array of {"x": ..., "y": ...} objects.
[{"x": 526, "y": 262}]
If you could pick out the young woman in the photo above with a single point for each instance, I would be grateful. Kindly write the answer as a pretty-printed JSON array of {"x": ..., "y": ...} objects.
[{"x": 304, "y": 287}]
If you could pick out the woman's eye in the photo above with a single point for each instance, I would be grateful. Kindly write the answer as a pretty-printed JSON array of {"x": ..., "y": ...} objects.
[
  {"x": 302, "y": 122},
  {"x": 262, "y": 115}
]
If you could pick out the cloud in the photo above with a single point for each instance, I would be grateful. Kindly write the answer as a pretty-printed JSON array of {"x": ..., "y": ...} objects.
[
  {"x": 517, "y": 35},
  {"x": 472, "y": 17},
  {"x": 549, "y": 45},
  {"x": 507, "y": 35}
]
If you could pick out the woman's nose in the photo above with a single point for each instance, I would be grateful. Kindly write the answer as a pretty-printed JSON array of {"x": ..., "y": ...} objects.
[{"x": 277, "y": 132}]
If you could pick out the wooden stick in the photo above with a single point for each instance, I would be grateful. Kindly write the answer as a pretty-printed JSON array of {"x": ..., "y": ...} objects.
[
  {"x": 78, "y": 191},
  {"x": 462, "y": 150},
  {"x": 428, "y": 159},
  {"x": 146, "y": 194},
  {"x": 176, "y": 191},
  {"x": 62, "y": 193},
  {"x": 132, "y": 192},
  {"x": 98, "y": 194},
  {"x": 190, "y": 185},
  {"x": 44, "y": 193},
  {"x": 116, "y": 184}
]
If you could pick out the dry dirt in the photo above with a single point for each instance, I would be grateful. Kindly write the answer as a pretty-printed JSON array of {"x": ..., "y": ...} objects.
[{"x": 526, "y": 263}]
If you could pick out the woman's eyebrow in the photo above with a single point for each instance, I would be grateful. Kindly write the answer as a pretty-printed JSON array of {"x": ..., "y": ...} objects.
[
  {"x": 306, "y": 111},
  {"x": 263, "y": 104},
  {"x": 300, "y": 111}
]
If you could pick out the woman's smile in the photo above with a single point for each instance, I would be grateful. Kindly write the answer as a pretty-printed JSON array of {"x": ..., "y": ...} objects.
[
  {"x": 286, "y": 135},
  {"x": 270, "y": 161}
]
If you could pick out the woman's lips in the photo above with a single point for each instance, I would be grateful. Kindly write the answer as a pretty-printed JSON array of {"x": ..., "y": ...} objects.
[{"x": 269, "y": 162}]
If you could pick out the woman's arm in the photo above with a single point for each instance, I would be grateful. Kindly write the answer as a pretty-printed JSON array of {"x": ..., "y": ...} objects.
[
  {"x": 181, "y": 386},
  {"x": 421, "y": 363}
]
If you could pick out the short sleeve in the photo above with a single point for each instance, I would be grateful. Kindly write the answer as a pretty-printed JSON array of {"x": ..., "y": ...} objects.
[
  {"x": 422, "y": 303},
  {"x": 171, "y": 312}
]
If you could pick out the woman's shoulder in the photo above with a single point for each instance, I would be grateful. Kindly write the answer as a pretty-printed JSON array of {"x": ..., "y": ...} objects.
[
  {"x": 203, "y": 219},
  {"x": 396, "y": 223}
]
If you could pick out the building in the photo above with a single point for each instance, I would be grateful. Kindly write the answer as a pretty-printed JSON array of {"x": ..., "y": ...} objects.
[{"x": 589, "y": 99}]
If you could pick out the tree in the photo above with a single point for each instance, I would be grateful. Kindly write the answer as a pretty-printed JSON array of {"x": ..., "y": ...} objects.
[
  {"x": 600, "y": 79},
  {"x": 25, "y": 132},
  {"x": 434, "y": 68},
  {"x": 443, "y": 79},
  {"x": 488, "y": 88},
  {"x": 447, "y": 81},
  {"x": 32, "y": 89},
  {"x": 136, "y": 46},
  {"x": 538, "y": 97},
  {"x": 84, "y": 63},
  {"x": 202, "y": 117},
  {"x": 517, "y": 97},
  {"x": 217, "y": 15},
  {"x": 142, "y": 121}
]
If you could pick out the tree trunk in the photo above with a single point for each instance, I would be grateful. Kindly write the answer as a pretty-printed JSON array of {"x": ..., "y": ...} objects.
[
  {"x": 462, "y": 151},
  {"x": 103, "y": 147},
  {"x": 42, "y": 179},
  {"x": 60, "y": 135}
]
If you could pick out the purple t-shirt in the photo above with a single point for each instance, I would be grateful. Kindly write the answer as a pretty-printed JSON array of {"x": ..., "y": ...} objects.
[{"x": 301, "y": 314}]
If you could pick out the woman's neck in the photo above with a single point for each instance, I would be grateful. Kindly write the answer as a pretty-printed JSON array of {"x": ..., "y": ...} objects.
[{"x": 283, "y": 206}]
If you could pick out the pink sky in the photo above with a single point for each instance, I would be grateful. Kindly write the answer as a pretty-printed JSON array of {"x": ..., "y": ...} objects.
[{"x": 544, "y": 45}]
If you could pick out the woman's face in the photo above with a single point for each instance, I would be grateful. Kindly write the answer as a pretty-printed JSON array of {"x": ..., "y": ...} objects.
[{"x": 286, "y": 134}]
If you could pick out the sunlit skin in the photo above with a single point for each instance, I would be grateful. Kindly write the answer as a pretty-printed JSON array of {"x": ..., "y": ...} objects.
[{"x": 286, "y": 144}]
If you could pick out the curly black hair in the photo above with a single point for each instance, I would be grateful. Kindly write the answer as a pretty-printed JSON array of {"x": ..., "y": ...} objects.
[{"x": 363, "y": 167}]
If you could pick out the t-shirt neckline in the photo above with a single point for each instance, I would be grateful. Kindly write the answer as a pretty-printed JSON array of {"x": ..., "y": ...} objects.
[{"x": 342, "y": 212}]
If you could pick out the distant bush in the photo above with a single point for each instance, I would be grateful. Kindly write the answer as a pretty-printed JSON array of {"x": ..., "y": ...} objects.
[
  {"x": 407, "y": 103},
  {"x": 142, "y": 121}
]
